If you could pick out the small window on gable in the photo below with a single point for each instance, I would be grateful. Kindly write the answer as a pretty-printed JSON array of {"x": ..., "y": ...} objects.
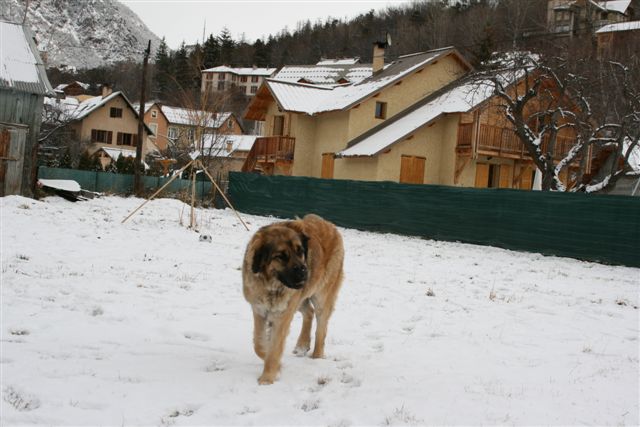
[
  {"x": 381, "y": 110},
  {"x": 154, "y": 113},
  {"x": 115, "y": 112}
]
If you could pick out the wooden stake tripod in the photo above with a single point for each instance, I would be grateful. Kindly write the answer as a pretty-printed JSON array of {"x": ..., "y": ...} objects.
[{"x": 193, "y": 163}]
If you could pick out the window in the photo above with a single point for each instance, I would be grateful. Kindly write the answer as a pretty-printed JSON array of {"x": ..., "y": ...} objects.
[
  {"x": 243, "y": 79},
  {"x": 154, "y": 113},
  {"x": 221, "y": 76},
  {"x": 254, "y": 89},
  {"x": 126, "y": 138},
  {"x": 220, "y": 85},
  {"x": 154, "y": 128},
  {"x": 381, "y": 110},
  {"x": 254, "y": 79},
  {"x": 230, "y": 124},
  {"x": 115, "y": 112},
  {"x": 191, "y": 134},
  {"x": 278, "y": 125},
  {"x": 172, "y": 133},
  {"x": 103, "y": 136}
]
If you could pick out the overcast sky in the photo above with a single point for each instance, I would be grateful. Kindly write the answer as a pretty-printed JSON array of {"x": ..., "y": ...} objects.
[{"x": 184, "y": 20}]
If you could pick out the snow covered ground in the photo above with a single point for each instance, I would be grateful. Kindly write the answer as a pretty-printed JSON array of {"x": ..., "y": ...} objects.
[{"x": 143, "y": 324}]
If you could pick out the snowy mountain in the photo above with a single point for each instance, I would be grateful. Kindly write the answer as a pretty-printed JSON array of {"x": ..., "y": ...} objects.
[{"x": 83, "y": 34}]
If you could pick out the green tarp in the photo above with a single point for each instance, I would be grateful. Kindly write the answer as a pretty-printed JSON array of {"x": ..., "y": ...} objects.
[{"x": 583, "y": 226}]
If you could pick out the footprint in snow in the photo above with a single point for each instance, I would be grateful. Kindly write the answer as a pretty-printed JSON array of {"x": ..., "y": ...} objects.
[
  {"x": 196, "y": 336},
  {"x": 172, "y": 416},
  {"x": 310, "y": 405},
  {"x": 216, "y": 366},
  {"x": 20, "y": 400}
]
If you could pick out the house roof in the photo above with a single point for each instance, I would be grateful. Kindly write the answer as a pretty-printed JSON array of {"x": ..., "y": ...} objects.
[
  {"x": 460, "y": 96},
  {"x": 621, "y": 26},
  {"x": 314, "y": 99},
  {"x": 63, "y": 86},
  {"x": 114, "y": 153},
  {"x": 324, "y": 74},
  {"x": 20, "y": 65},
  {"x": 189, "y": 117},
  {"x": 341, "y": 61},
  {"x": 242, "y": 71},
  {"x": 619, "y": 6},
  {"x": 218, "y": 144}
]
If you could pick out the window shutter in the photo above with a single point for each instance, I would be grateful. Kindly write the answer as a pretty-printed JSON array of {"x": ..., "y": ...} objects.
[
  {"x": 119, "y": 138},
  {"x": 94, "y": 135},
  {"x": 109, "y": 137}
]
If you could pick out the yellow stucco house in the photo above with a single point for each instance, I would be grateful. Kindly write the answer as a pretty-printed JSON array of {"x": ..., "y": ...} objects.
[{"x": 418, "y": 120}]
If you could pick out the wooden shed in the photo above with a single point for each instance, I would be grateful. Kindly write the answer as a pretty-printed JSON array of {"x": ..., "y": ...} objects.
[{"x": 23, "y": 86}]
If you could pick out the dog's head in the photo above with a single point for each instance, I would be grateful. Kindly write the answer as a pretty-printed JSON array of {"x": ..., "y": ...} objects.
[{"x": 281, "y": 253}]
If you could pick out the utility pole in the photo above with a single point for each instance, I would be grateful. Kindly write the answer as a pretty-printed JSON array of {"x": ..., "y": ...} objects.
[{"x": 137, "y": 178}]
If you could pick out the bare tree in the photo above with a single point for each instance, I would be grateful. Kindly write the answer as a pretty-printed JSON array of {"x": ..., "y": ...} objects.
[{"x": 550, "y": 108}]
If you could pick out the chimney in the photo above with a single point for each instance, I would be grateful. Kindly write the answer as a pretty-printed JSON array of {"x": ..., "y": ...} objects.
[
  {"x": 106, "y": 90},
  {"x": 378, "y": 56}
]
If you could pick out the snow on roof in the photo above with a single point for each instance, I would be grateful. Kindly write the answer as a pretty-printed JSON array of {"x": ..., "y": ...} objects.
[
  {"x": 621, "y": 26},
  {"x": 114, "y": 153},
  {"x": 20, "y": 65},
  {"x": 242, "y": 71},
  {"x": 88, "y": 106},
  {"x": 619, "y": 6},
  {"x": 189, "y": 117},
  {"x": 226, "y": 145},
  {"x": 312, "y": 99},
  {"x": 343, "y": 61},
  {"x": 456, "y": 100},
  {"x": 324, "y": 74},
  {"x": 63, "y": 86},
  {"x": 634, "y": 157}
]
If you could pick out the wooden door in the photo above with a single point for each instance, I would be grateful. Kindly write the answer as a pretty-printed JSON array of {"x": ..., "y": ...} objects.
[
  {"x": 278, "y": 125},
  {"x": 12, "y": 142},
  {"x": 505, "y": 176},
  {"x": 327, "y": 165},
  {"x": 482, "y": 175},
  {"x": 412, "y": 170},
  {"x": 526, "y": 179}
]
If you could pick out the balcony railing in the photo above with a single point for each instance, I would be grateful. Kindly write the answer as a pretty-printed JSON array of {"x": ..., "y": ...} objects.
[
  {"x": 503, "y": 142},
  {"x": 270, "y": 150}
]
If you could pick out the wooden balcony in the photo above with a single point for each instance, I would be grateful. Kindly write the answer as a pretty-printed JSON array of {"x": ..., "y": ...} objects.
[
  {"x": 270, "y": 154},
  {"x": 503, "y": 142}
]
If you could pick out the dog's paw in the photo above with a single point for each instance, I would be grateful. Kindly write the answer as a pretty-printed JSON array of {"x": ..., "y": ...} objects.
[
  {"x": 318, "y": 355},
  {"x": 265, "y": 379},
  {"x": 300, "y": 351}
]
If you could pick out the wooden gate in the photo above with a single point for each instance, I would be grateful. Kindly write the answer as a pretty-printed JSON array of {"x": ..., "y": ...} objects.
[{"x": 12, "y": 142}]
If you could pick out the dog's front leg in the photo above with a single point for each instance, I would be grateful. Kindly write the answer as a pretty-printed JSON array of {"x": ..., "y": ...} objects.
[
  {"x": 279, "y": 331},
  {"x": 259, "y": 334}
]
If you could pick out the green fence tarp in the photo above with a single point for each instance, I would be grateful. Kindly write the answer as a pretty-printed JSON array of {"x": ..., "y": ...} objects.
[
  {"x": 105, "y": 182},
  {"x": 583, "y": 226}
]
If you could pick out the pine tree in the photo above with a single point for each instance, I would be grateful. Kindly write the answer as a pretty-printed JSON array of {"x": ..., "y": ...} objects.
[
  {"x": 211, "y": 52},
  {"x": 163, "y": 71},
  {"x": 183, "y": 76},
  {"x": 261, "y": 55},
  {"x": 227, "y": 46}
]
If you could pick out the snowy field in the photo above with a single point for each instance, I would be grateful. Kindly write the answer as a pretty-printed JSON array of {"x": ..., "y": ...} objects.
[{"x": 143, "y": 324}]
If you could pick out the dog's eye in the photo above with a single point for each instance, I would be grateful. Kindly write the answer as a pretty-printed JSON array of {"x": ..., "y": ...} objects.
[
  {"x": 281, "y": 256},
  {"x": 299, "y": 250}
]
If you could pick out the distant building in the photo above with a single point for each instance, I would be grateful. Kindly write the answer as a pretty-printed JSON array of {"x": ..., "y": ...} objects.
[
  {"x": 179, "y": 126},
  {"x": 222, "y": 78},
  {"x": 575, "y": 17},
  {"x": 109, "y": 123},
  {"x": 23, "y": 86},
  {"x": 71, "y": 89}
]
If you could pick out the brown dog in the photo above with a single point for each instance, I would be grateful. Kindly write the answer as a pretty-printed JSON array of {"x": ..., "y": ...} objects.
[{"x": 291, "y": 266}]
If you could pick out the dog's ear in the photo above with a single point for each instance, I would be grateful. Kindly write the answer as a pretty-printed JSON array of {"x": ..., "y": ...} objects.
[
  {"x": 260, "y": 256},
  {"x": 305, "y": 243}
]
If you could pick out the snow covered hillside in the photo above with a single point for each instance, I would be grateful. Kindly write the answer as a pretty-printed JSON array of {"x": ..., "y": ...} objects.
[
  {"x": 83, "y": 34},
  {"x": 143, "y": 324}
]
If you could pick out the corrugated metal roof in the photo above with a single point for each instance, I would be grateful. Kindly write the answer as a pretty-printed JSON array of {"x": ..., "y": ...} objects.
[{"x": 21, "y": 68}]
